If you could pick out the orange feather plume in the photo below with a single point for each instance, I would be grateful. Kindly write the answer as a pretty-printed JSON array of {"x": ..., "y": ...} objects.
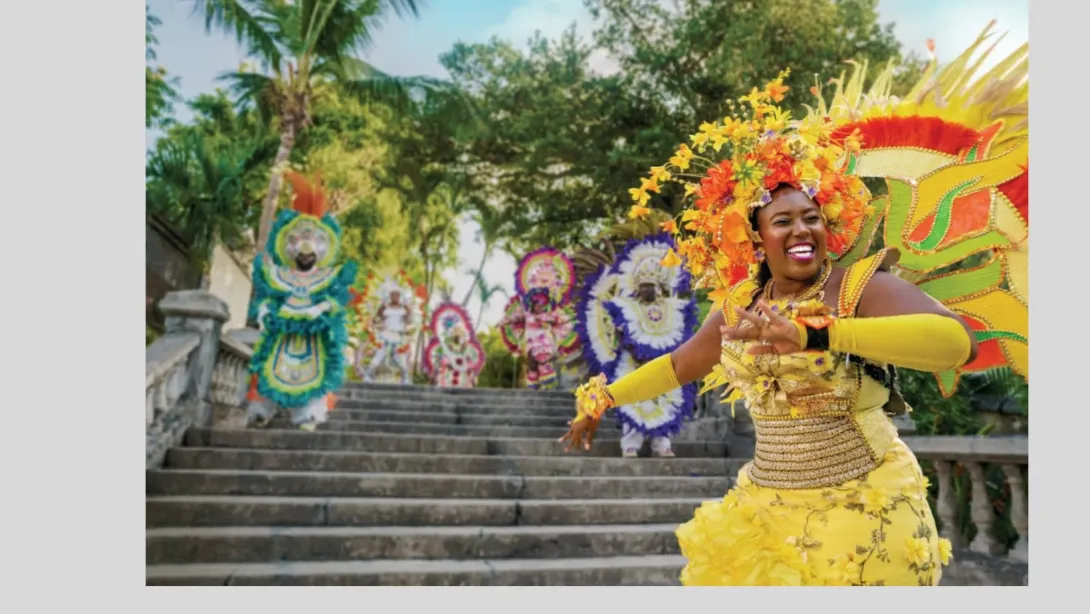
[{"x": 309, "y": 198}]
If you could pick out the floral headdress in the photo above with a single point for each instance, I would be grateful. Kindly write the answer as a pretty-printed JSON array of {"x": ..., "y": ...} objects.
[{"x": 744, "y": 158}]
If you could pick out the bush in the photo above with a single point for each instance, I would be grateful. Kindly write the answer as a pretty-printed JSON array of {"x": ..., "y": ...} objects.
[{"x": 501, "y": 368}]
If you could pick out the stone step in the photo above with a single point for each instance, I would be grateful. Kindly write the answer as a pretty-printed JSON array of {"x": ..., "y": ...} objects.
[
  {"x": 410, "y": 428},
  {"x": 174, "y": 482},
  {"x": 342, "y": 461},
  {"x": 400, "y": 390},
  {"x": 553, "y": 410},
  {"x": 655, "y": 570},
  {"x": 220, "y": 511},
  {"x": 265, "y": 544},
  {"x": 370, "y": 416},
  {"x": 424, "y": 444}
]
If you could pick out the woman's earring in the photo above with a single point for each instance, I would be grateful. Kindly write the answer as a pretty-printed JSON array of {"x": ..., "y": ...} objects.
[{"x": 760, "y": 255}]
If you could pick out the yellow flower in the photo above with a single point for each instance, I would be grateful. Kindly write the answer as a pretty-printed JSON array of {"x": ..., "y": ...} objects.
[
  {"x": 832, "y": 211},
  {"x": 682, "y": 157},
  {"x": 916, "y": 550},
  {"x": 700, "y": 139},
  {"x": 875, "y": 501},
  {"x": 754, "y": 97},
  {"x": 650, "y": 184},
  {"x": 639, "y": 195},
  {"x": 946, "y": 550},
  {"x": 690, "y": 188},
  {"x": 659, "y": 173},
  {"x": 638, "y": 211},
  {"x": 671, "y": 259},
  {"x": 777, "y": 119},
  {"x": 669, "y": 226}
]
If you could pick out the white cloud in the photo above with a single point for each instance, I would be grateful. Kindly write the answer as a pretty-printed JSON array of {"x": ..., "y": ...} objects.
[{"x": 552, "y": 18}]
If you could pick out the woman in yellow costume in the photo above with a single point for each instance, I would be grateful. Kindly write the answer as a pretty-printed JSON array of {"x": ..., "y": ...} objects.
[{"x": 810, "y": 321}]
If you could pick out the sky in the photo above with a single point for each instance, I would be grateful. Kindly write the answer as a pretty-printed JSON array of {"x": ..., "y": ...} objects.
[{"x": 413, "y": 47}]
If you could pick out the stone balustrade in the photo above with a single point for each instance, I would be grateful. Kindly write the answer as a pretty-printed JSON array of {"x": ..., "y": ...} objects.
[
  {"x": 973, "y": 455},
  {"x": 193, "y": 372}
]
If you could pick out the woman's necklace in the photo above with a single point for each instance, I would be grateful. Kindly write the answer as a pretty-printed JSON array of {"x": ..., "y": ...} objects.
[{"x": 815, "y": 290}]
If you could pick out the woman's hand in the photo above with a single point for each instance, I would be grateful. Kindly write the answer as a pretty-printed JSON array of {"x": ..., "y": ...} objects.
[
  {"x": 580, "y": 432},
  {"x": 774, "y": 333}
]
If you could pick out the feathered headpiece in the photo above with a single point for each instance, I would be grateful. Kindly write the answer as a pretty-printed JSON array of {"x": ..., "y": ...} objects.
[{"x": 742, "y": 160}]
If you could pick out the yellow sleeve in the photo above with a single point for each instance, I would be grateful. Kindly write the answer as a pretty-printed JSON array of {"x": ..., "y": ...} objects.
[
  {"x": 649, "y": 381},
  {"x": 921, "y": 341}
]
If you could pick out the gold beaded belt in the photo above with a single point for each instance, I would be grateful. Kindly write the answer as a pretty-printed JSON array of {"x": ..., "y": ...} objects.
[{"x": 809, "y": 452}]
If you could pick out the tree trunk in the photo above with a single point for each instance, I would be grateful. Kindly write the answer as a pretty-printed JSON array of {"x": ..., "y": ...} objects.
[
  {"x": 276, "y": 183},
  {"x": 480, "y": 314},
  {"x": 480, "y": 269}
]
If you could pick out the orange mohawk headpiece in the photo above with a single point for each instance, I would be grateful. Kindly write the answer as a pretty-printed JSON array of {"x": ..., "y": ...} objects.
[{"x": 309, "y": 199}]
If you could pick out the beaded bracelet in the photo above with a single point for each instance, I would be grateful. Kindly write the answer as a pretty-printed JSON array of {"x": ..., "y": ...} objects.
[{"x": 593, "y": 399}]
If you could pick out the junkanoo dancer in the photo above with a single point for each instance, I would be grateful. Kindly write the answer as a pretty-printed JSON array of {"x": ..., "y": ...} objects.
[
  {"x": 812, "y": 324},
  {"x": 453, "y": 357},
  {"x": 630, "y": 312},
  {"x": 536, "y": 322},
  {"x": 394, "y": 318},
  {"x": 300, "y": 294}
]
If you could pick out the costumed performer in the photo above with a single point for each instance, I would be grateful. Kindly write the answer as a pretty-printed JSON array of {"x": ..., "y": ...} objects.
[
  {"x": 300, "y": 296},
  {"x": 453, "y": 357},
  {"x": 813, "y": 323},
  {"x": 392, "y": 315},
  {"x": 631, "y": 311},
  {"x": 536, "y": 321}
]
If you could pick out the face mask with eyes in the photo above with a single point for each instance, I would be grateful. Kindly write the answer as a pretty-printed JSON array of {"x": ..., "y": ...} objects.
[
  {"x": 305, "y": 236},
  {"x": 307, "y": 243}
]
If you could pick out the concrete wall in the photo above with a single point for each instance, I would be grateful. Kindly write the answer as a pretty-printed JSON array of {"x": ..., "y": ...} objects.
[{"x": 231, "y": 282}]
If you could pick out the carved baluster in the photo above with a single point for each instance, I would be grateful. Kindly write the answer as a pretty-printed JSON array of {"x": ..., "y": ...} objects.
[
  {"x": 149, "y": 407},
  {"x": 947, "y": 504},
  {"x": 983, "y": 517},
  {"x": 1019, "y": 511}
]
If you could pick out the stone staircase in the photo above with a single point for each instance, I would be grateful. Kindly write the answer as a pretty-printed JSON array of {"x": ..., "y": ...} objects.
[{"x": 423, "y": 486}]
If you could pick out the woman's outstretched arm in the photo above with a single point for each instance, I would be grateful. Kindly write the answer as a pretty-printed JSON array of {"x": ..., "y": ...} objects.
[{"x": 697, "y": 356}]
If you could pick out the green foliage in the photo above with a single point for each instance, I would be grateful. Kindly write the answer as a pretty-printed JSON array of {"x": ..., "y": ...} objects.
[
  {"x": 206, "y": 178},
  {"x": 160, "y": 91},
  {"x": 563, "y": 143},
  {"x": 501, "y": 368}
]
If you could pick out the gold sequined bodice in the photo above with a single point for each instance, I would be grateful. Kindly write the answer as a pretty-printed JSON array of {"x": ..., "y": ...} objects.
[{"x": 819, "y": 419}]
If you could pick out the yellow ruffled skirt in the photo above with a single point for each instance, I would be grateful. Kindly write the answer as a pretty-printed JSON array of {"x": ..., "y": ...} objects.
[{"x": 877, "y": 530}]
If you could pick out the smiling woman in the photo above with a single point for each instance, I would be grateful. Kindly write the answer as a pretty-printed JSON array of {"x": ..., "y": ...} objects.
[{"x": 810, "y": 324}]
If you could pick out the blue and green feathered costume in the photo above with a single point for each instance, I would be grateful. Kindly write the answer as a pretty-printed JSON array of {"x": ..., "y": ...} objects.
[{"x": 299, "y": 359}]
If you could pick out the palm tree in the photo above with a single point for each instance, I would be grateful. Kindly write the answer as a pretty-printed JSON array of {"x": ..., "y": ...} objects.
[
  {"x": 485, "y": 294},
  {"x": 304, "y": 47},
  {"x": 159, "y": 89},
  {"x": 488, "y": 227},
  {"x": 199, "y": 185}
]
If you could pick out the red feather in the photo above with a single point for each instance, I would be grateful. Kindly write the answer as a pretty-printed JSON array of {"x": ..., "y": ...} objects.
[{"x": 929, "y": 133}]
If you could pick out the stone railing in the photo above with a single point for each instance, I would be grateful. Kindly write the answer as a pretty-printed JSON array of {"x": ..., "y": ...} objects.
[
  {"x": 988, "y": 561},
  {"x": 193, "y": 372}
]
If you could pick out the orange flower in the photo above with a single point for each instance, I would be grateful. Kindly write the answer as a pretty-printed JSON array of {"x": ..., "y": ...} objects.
[
  {"x": 776, "y": 90},
  {"x": 669, "y": 226}
]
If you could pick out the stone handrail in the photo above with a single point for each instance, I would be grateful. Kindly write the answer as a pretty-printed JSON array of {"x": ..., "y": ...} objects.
[
  {"x": 190, "y": 369},
  {"x": 1011, "y": 455}
]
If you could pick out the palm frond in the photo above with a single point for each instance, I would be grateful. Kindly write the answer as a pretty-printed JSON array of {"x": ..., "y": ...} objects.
[
  {"x": 253, "y": 24},
  {"x": 255, "y": 89}
]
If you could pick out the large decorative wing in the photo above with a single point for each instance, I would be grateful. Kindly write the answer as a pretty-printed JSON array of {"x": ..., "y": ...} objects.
[
  {"x": 546, "y": 267},
  {"x": 954, "y": 155},
  {"x": 513, "y": 325},
  {"x": 599, "y": 337},
  {"x": 566, "y": 333}
]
